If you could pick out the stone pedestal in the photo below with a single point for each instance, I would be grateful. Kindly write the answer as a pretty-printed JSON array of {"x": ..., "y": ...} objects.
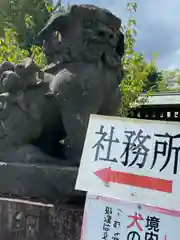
[
  {"x": 29, "y": 221},
  {"x": 47, "y": 184}
]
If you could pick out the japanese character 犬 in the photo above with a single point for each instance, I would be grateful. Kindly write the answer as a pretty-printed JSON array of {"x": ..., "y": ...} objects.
[{"x": 135, "y": 221}]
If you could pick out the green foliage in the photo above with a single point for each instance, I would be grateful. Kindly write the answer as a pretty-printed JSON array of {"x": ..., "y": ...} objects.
[
  {"x": 153, "y": 80},
  {"x": 135, "y": 67},
  {"x": 9, "y": 48},
  {"x": 169, "y": 76},
  {"x": 12, "y": 52},
  {"x": 20, "y": 21},
  {"x": 25, "y": 17}
]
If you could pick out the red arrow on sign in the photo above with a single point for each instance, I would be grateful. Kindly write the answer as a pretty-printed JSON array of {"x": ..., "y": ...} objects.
[{"x": 108, "y": 175}]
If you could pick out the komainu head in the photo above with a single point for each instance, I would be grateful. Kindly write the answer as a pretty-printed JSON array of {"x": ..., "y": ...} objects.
[{"x": 85, "y": 33}]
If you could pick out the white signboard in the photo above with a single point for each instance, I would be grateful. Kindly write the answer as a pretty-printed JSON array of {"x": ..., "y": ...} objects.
[
  {"x": 132, "y": 159},
  {"x": 110, "y": 219}
]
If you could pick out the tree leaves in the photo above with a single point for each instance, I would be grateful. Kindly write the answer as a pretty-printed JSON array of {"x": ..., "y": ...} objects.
[
  {"x": 135, "y": 66},
  {"x": 12, "y": 52},
  {"x": 26, "y": 17},
  {"x": 132, "y": 6}
]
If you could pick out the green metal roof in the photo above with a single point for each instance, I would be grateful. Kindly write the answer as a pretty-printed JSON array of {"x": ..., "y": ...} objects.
[{"x": 163, "y": 98}]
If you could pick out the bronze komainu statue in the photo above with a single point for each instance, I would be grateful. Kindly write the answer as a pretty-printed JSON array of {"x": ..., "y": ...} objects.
[{"x": 41, "y": 108}]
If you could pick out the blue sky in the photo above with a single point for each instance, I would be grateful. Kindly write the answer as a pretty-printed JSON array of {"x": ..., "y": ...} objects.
[{"x": 157, "y": 24}]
